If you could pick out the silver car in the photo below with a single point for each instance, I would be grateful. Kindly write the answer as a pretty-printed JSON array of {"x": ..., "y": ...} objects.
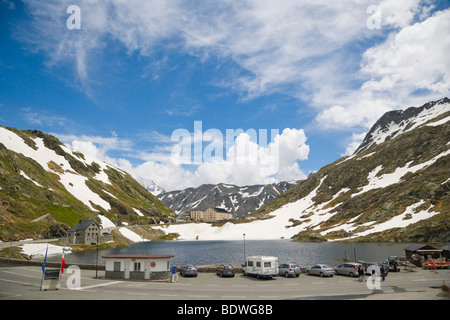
[
  {"x": 289, "y": 270},
  {"x": 348, "y": 269},
  {"x": 322, "y": 270}
]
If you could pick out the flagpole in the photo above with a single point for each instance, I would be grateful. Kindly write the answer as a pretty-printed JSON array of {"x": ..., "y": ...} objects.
[
  {"x": 62, "y": 257},
  {"x": 43, "y": 267}
]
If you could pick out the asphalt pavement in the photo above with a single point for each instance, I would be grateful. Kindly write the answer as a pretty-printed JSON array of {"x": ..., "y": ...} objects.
[{"x": 24, "y": 283}]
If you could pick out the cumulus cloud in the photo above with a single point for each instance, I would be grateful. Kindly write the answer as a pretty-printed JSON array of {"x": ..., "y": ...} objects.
[
  {"x": 407, "y": 69},
  {"x": 245, "y": 162}
]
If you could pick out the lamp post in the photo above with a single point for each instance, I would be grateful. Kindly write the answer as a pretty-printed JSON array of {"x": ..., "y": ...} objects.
[{"x": 244, "y": 247}]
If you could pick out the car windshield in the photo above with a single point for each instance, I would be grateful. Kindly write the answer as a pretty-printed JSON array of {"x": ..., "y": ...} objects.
[
  {"x": 294, "y": 266},
  {"x": 228, "y": 267},
  {"x": 326, "y": 266}
]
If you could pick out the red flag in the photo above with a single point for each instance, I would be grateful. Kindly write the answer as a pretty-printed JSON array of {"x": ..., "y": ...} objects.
[{"x": 63, "y": 262}]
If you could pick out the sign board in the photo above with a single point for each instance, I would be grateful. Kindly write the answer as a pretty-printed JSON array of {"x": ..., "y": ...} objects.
[
  {"x": 174, "y": 269},
  {"x": 51, "y": 280}
]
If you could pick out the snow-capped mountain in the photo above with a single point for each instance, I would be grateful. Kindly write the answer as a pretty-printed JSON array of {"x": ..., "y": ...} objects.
[
  {"x": 39, "y": 175},
  {"x": 151, "y": 186},
  {"x": 237, "y": 200},
  {"x": 396, "y": 187},
  {"x": 396, "y": 122}
]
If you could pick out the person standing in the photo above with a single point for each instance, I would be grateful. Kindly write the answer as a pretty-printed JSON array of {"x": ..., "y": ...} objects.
[{"x": 383, "y": 272}]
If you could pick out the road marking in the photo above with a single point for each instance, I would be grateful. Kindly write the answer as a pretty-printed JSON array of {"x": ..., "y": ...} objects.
[
  {"x": 97, "y": 285},
  {"x": 20, "y": 282},
  {"x": 168, "y": 295},
  {"x": 20, "y": 274},
  {"x": 138, "y": 294},
  {"x": 8, "y": 295}
]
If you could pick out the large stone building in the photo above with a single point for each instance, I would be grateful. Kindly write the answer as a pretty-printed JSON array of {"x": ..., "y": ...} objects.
[
  {"x": 84, "y": 232},
  {"x": 210, "y": 215}
]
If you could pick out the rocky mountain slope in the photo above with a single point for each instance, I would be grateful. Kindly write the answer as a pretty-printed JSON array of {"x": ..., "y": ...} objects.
[
  {"x": 238, "y": 200},
  {"x": 395, "y": 187},
  {"x": 41, "y": 177}
]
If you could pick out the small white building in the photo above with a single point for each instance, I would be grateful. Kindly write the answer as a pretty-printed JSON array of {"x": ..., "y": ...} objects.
[{"x": 137, "y": 266}]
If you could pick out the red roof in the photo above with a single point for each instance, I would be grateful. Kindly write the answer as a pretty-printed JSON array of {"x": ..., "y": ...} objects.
[{"x": 138, "y": 256}]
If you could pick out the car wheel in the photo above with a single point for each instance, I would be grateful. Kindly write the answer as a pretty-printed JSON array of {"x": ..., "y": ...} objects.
[
  {"x": 351, "y": 274},
  {"x": 321, "y": 274},
  {"x": 286, "y": 275}
]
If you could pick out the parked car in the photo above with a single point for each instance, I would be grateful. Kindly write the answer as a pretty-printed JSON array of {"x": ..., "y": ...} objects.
[
  {"x": 391, "y": 265},
  {"x": 322, "y": 270},
  {"x": 225, "y": 270},
  {"x": 289, "y": 270},
  {"x": 188, "y": 270},
  {"x": 348, "y": 269}
]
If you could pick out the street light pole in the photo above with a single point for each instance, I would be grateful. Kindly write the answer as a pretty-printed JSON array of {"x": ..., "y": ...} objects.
[
  {"x": 96, "y": 263},
  {"x": 244, "y": 248}
]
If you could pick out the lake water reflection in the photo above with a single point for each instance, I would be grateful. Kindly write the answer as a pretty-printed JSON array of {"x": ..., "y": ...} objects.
[{"x": 215, "y": 252}]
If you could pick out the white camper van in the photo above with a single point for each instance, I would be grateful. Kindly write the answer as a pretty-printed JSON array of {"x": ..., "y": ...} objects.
[{"x": 261, "y": 267}]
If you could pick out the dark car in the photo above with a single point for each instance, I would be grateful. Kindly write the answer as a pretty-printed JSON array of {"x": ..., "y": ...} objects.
[
  {"x": 188, "y": 270},
  {"x": 391, "y": 265},
  {"x": 225, "y": 270}
]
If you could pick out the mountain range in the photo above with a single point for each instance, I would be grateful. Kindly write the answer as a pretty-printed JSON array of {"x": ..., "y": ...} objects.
[
  {"x": 240, "y": 201},
  {"x": 45, "y": 187},
  {"x": 395, "y": 187}
]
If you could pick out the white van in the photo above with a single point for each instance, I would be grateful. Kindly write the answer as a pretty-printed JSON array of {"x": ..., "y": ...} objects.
[{"x": 260, "y": 267}]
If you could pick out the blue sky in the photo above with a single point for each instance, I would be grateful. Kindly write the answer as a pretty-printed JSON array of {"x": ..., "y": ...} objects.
[{"x": 319, "y": 72}]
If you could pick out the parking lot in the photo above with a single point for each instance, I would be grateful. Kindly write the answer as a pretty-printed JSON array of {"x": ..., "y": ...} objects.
[{"x": 23, "y": 282}]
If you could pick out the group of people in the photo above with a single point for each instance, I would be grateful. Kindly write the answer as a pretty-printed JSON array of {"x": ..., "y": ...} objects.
[{"x": 361, "y": 273}]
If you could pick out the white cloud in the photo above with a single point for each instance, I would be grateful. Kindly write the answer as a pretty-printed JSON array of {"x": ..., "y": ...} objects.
[
  {"x": 244, "y": 163},
  {"x": 312, "y": 50},
  {"x": 412, "y": 59},
  {"x": 42, "y": 117}
]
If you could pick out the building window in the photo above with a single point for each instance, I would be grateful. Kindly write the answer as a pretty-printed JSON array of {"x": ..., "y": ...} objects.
[{"x": 137, "y": 266}]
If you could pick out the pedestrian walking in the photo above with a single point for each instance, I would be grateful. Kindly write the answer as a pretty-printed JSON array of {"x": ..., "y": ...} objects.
[
  {"x": 383, "y": 273},
  {"x": 361, "y": 273}
]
